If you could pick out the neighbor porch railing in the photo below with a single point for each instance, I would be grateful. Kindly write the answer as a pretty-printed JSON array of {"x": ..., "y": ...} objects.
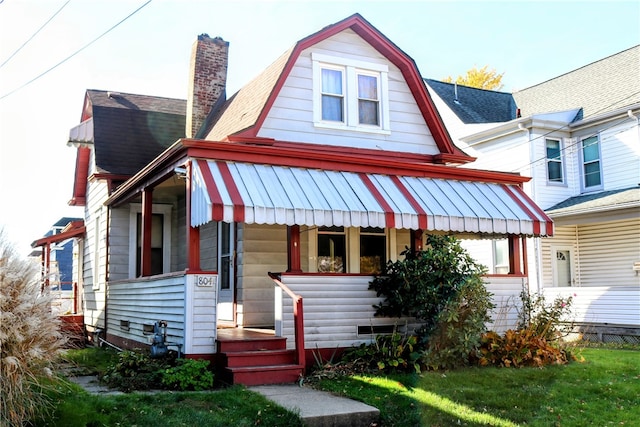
[{"x": 298, "y": 316}]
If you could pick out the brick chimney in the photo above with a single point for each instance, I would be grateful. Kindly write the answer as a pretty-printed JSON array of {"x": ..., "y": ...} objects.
[{"x": 207, "y": 79}]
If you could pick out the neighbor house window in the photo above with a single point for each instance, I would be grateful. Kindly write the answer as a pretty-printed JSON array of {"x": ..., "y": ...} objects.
[
  {"x": 554, "y": 161},
  {"x": 591, "y": 167},
  {"x": 332, "y": 250},
  {"x": 373, "y": 243},
  {"x": 350, "y": 94}
]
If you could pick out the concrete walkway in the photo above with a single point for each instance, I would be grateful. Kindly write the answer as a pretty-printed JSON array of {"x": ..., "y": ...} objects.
[
  {"x": 319, "y": 408},
  {"x": 316, "y": 408}
]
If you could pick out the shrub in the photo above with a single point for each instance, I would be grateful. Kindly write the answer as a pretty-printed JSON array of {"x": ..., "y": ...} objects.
[
  {"x": 135, "y": 370},
  {"x": 30, "y": 338},
  {"x": 550, "y": 321},
  {"x": 442, "y": 287},
  {"x": 519, "y": 348},
  {"x": 459, "y": 327},
  {"x": 388, "y": 353},
  {"x": 188, "y": 374}
]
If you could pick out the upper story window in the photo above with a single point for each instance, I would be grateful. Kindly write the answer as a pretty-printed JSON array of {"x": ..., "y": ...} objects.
[
  {"x": 591, "y": 164},
  {"x": 555, "y": 168},
  {"x": 350, "y": 94}
]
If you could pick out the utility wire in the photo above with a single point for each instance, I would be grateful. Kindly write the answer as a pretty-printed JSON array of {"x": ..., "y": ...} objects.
[
  {"x": 75, "y": 53},
  {"x": 34, "y": 34}
]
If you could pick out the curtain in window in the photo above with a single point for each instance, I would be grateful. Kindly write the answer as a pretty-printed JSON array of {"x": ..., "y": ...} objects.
[
  {"x": 332, "y": 95},
  {"x": 368, "y": 100}
]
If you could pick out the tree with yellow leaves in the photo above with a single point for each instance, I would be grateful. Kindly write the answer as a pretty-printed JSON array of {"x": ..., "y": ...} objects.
[{"x": 482, "y": 78}]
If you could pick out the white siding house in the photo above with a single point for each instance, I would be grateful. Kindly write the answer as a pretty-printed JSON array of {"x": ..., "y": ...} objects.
[
  {"x": 578, "y": 137},
  {"x": 274, "y": 208}
]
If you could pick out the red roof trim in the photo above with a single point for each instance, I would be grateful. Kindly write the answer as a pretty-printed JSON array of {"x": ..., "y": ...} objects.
[
  {"x": 541, "y": 214},
  {"x": 406, "y": 65},
  {"x": 73, "y": 229},
  {"x": 83, "y": 155},
  {"x": 534, "y": 219},
  {"x": 236, "y": 198},
  {"x": 356, "y": 161},
  {"x": 422, "y": 214},
  {"x": 389, "y": 217},
  {"x": 216, "y": 201}
]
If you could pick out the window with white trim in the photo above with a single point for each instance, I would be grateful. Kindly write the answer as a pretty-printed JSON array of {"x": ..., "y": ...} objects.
[
  {"x": 555, "y": 168},
  {"x": 350, "y": 94},
  {"x": 501, "y": 256},
  {"x": 351, "y": 250},
  {"x": 332, "y": 250},
  {"x": 591, "y": 164}
]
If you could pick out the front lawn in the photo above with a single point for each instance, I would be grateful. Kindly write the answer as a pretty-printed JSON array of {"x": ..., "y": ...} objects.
[{"x": 602, "y": 390}]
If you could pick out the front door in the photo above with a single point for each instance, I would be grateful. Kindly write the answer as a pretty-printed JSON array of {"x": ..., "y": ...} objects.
[
  {"x": 226, "y": 271},
  {"x": 562, "y": 271}
]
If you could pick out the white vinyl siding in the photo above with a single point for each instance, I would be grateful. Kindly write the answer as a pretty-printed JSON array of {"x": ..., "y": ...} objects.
[
  {"x": 620, "y": 155},
  {"x": 564, "y": 237},
  {"x": 607, "y": 253},
  {"x": 94, "y": 287},
  {"x": 260, "y": 249},
  {"x": 291, "y": 116},
  {"x": 143, "y": 302},
  {"x": 334, "y": 307},
  {"x": 612, "y": 305}
]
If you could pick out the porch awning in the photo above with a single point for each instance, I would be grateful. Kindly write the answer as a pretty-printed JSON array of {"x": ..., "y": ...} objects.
[{"x": 267, "y": 194}]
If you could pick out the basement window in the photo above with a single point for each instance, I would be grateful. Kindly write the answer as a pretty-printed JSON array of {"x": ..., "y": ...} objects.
[{"x": 124, "y": 325}]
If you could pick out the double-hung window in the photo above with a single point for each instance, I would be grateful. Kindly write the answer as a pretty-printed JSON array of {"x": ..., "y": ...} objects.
[
  {"x": 591, "y": 165},
  {"x": 555, "y": 173},
  {"x": 350, "y": 94}
]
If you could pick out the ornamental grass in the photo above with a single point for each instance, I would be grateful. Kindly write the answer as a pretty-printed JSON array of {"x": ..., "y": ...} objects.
[{"x": 30, "y": 339}]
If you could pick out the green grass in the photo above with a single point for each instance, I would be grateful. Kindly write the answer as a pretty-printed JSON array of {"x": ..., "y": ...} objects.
[
  {"x": 602, "y": 390},
  {"x": 234, "y": 406}
]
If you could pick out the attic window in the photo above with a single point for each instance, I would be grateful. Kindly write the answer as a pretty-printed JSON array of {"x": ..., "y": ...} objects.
[{"x": 350, "y": 94}]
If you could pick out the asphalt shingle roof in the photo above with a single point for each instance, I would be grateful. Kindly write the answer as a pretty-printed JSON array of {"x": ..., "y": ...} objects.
[
  {"x": 131, "y": 130},
  {"x": 475, "y": 105},
  {"x": 602, "y": 86},
  {"x": 605, "y": 199}
]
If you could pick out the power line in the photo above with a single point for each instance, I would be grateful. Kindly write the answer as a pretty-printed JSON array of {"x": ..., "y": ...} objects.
[
  {"x": 75, "y": 53},
  {"x": 34, "y": 34}
]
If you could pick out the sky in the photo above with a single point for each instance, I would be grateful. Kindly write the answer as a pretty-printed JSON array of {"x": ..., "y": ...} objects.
[{"x": 52, "y": 51}]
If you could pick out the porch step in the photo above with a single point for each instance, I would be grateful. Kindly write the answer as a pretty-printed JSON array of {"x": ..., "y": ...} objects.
[
  {"x": 262, "y": 375},
  {"x": 236, "y": 359},
  {"x": 255, "y": 357}
]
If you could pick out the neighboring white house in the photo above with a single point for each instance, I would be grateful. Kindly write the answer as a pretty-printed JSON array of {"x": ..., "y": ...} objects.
[{"x": 578, "y": 137}]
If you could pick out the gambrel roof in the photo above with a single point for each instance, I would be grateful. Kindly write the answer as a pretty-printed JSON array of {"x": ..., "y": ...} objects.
[{"x": 244, "y": 113}]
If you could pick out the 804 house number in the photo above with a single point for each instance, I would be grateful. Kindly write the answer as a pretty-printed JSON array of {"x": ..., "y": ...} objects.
[{"x": 205, "y": 281}]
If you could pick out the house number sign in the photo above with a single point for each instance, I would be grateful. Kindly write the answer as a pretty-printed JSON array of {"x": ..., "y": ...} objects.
[{"x": 206, "y": 281}]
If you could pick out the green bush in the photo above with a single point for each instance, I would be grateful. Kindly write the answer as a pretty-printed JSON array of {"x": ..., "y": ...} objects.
[
  {"x": 442, "y": 287},
  {"x": 135, "y": 370},
  {"x": 188, "y": 374},
  {"x": 30, "y": 339},
  {"x": 456, "y": 338},
  {"x": 388, "y": 353}
]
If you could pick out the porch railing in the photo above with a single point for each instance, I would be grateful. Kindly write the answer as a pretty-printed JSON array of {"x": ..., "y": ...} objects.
[{"x": 298, "y": 318}]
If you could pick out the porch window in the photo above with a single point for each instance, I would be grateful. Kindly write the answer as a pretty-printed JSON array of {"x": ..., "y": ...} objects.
[
  {"x": 554, "y": 161},
  {"x": 160, "y": 239},
  {"x": 591, "y": 167},
  {"x": 350, "y": 94},
  {"x": 373, "y": 243},
  {"x": 156, "y": 244},
  {"x": 501, "y": 256},
  {"x": 332, "y": 254}
]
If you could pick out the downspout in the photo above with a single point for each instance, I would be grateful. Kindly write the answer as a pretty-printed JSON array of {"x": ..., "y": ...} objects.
[
  {"x": 536, "y": 240},
  {"x": 106, "y": 270}
]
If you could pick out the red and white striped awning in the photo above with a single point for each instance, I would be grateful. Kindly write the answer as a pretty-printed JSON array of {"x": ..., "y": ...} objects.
[{"x": 267, "y": 194}]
